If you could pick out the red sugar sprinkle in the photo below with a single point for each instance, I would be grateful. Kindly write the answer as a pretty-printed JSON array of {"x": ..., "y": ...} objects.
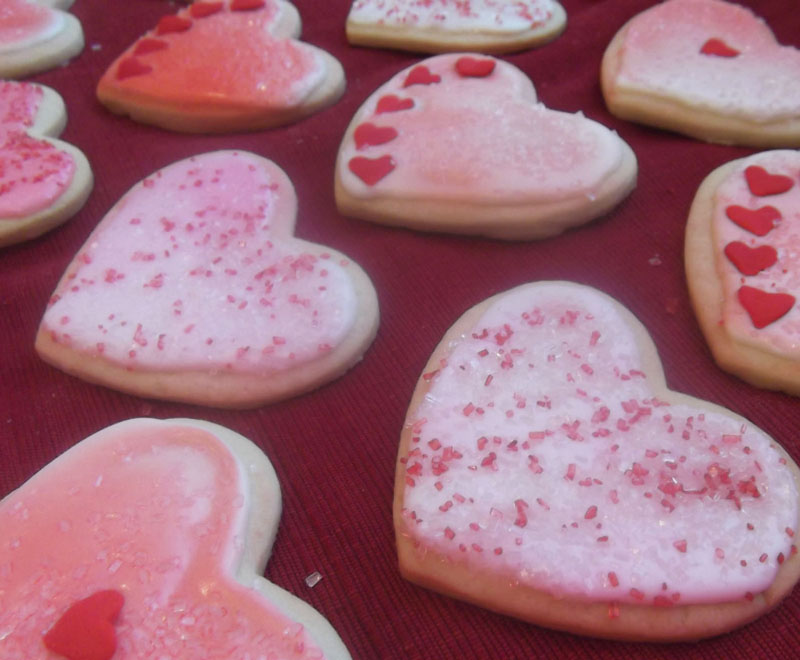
[
  {"x": 570, "y": 475},
  {"x": 749, "y": 596},
  {"x": 763, "y": 558},
  {"x": 449, "y": 533},
  {"x": 591, "y": 512},
  {"x": 613, "y": 580},
  {"x": 635, "y": 593}
]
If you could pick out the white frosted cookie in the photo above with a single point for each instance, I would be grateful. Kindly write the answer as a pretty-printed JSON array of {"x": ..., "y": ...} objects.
[
  {"x": 545, "y": 471},
  {"x": 193, "y": 288},
  {"x": 233, "y": 65},
  {"x": 484, "y": 26},
  {"x": 36, "y": 35},
  {"x": 507, "y": 168},
  {"x": 742, "y": 266},
  {"x": 43, "y": 181},
  {"x": 110, "y": 552},
  {"x": 706, "y": 68}
]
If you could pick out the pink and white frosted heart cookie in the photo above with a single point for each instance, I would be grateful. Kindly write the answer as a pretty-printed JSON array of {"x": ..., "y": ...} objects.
[
  {"x": 460, "y": 144},
  {"x": 743, "y": 267},
  {"x": 149, "y": 539},
  {"x": 485, "y": 26},
  {"x": 232, "y": 65},
  {"x": 36, "y": 35},
  {"x": 43, "y": 181},
  {"x": 193, "y": 288},
  {"x": 707, "y": 68},
  {"x": 545, "y": 471}
]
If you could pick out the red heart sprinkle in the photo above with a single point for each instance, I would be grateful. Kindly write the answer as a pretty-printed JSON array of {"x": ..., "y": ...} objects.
[
  {"x": 130, "y": 67},
  {"x": 148, "y": 45},
  {"x": 763, "y": 307},
  {"x": 749, "y": 260},
  {"x": 203, "y": 9},
  {"x": 470, "y": 67},
  {"x": 246, "y": 5},
  {"x": 719, "y": 48},
  {"x": 762, "y": 183},
  {"x": 421, "y": 75},
  {"x": 371, "y": 170},
  {"x": 392, "y": 103},
  {"x": 86, "y": 630},
  {"x": 757, "y": 221},
  {"x": 169, "y": 24},
  {"x": 370, "y": 135}
]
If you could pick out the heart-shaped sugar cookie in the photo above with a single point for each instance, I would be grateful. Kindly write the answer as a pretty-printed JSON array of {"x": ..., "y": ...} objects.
[
  {"x": 193, "y": 288},
  {"x": 545, "y": 471},
  {"x": 233, "y": 65},
  {"x": 743, "y": 267},
  {"x": 473, "y": 152},
  {"x": 43, "y": 181},
  {"x": 486, "y": 26},
  {"x": 149, "y": 539},
  {"x": 707, "y": 68},
  {"x": 36, "y": 35}
]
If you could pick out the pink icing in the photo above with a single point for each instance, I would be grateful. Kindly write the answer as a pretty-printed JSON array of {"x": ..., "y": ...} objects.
[
  {"x": 156, "y": 513},
  {"x": 195, "y": 268},
  {"x": 541, "y": 454},
  {"x": 783, "y": 277},
  {"x": 483, "y": 15},
  {"x": 227, "y": 59},
  {"x": 33, "y": 172},
  {"x": 662, "y": 55},
  {"x": 23, "y": 23},
  {"x": 479, "y": 138}
]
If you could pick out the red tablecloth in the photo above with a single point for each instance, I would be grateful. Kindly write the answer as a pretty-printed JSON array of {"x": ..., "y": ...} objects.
[{"x": 334, "y": 449}]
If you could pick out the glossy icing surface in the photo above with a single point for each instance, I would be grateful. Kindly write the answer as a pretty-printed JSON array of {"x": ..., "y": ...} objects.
[
  {"x": 23, "y": 24},
  {"x": 33, "y": 173},
  {"x": 156, "y": 513},
  {"x": 447, "y": 15},
  {"x": 504, "y": 145},
  {"x": 195, "y": 268},
  {"x": 226, "y": 58},
  {"x": 541, "y": 454},
  {"x": 662, "y": 54},
  {"x": 778, "y": 230}
]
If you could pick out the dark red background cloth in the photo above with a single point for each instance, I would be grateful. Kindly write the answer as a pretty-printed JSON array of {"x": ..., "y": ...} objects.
[{"x": 334, "y": 449}]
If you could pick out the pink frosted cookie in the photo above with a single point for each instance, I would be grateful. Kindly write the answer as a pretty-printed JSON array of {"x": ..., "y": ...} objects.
[
  {"x": 743, "y": 267},
  {"x": 545, "y": 471},
  {"x": 485, "y": 26},
  {"x": 706, "y": 68},
  {"x": 222, "y": 66},
  {"x": 43, "y": 181},
  {"x": 535, "y": 172},
  {"x": 35, "y": 35},
  {"x": 193, "y": 288},
  {"x": 149, "y": 540}
]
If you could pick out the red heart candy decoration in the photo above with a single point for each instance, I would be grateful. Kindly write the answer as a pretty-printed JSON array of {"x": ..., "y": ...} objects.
[
  {"x": 719, "y": 48},
  {"x": 762, "y": 183},
  {"x": 133, "y": 66},
  {"x": 371, "y": 135},
  {"x": 371, "y": 170},
  {"x": 750, "y": 261},
  {"x": 203, "y": 9},
  {"x": 764, "y": 307},
  {"x": 392, "y": 103},
  {"x": 757, "y": 221},
  {"x": 86, "y": 630},
  {"x": 471, "y": 67},
  {"x": 421, "y": 75},
  {"x": 146, "y": 46},
  {"x": 171, "y": 24},
  {"x": 246, "y": 5}
]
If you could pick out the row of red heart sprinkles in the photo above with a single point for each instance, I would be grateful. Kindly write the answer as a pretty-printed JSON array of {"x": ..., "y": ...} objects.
[{"x": 762, "y": 306}]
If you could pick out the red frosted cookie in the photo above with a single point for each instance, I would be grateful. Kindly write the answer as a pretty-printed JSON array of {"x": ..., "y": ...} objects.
[
  {"x": 706, "y": 68},
  {"x": 149, "y": 539},
  {"x": 545, "y": 471},
  {"x": 743, "y": 267},
  {"x": 405, "y": 160},
  {"x": 35, "y": 35},
  {"x": 193, "y": 288},
  {"x": 43, "y": 181},
  {"x": 225, "y": 66},
  {"x": 486, "y": 26}
]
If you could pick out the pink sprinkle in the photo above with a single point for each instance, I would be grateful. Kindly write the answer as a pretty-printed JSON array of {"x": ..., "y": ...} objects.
[
  {"x": 591, "y": 512},
  {"x": 570, "y": 472},
  {"x": 613, "y": 580},
  {"x": 449, "y": 533},
  {"x": 594, "y": 338},
  {"x": 680, "y": 546},
  {"x": 719, "y": 553},
  {"x": 522, "y": 516},
  {"x": 635, "y": 593},
  {"x": 468, "y": 409}
]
